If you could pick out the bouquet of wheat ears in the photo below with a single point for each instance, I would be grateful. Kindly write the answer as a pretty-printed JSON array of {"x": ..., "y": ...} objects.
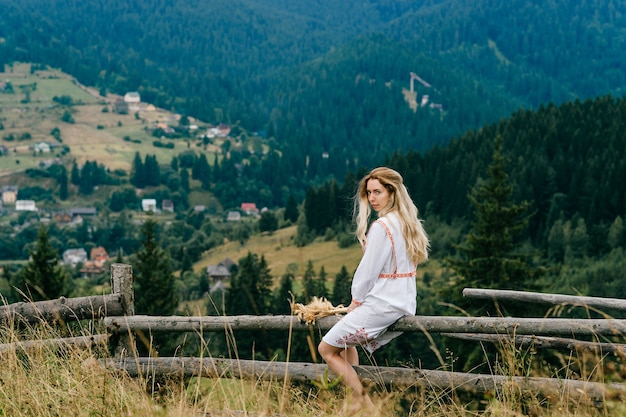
[{"x": 318, "y": 307}]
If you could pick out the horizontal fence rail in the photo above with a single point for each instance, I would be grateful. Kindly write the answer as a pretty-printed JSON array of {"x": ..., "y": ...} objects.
[
  {"x": 390, "y": 376},
  {"x": 80, "y": 342},
  {"x": 555, "y": 299},
  {"x": 430, "y": 324},
  {"x": 543, "y": 342},
  {"x": 63, "y": 309}
]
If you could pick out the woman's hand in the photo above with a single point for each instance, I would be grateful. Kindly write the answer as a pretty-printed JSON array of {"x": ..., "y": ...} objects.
[{"x": 353, "y": 305}]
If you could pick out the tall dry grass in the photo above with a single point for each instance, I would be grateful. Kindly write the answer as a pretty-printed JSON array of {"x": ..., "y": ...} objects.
[{"x": 70, "y": 381}]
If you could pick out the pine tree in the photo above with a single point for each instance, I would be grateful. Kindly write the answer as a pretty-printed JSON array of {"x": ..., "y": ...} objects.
[
  {"x": 579, "y": 239},
  {"x": 291, "y": 210},
  {"x": 186, "y": 263},
  {"x": 174, "y": 164},
  {"x": 615, "y": 236},
  {"x": 322, "y": 291},
  {"x": 250, "y": 293},
  {"x": 488, "y": 257},
  {"x": 75, "y": 175},
  {"x": 281, "y": 305},
  {"x": 184, "y": 180},
  {"x": 311, "y": 209},
  {"x": 310, "y": 289},
  {"x": 250, "y": 287},
  {"x": 202, "y": 171},
  {"x": 138, "y": 176},
  {"x": 556, "y": 242},
  {"x": 62, "y": 180},
  {"x": 342, "y": 289},
  {"x": 86, "y": 178},
  {"x": 152, "y": 171},
  {"x": 154, "y": 282},
  {"x": 268, "y": 222},
  {"x": 43, "y": 278}
]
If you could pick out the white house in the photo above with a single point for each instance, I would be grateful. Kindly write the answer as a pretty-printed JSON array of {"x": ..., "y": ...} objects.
[
  {"x": 74, "y": 256},
  {"x": 25, "y": 205},
  {"x": 132, "y": 97},
  {"x": 149, "y": 204},
  {"x": 41, "y": 147}
]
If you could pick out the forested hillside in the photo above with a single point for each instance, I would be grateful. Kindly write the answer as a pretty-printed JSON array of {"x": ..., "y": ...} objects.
[
  {"x": 566, "y": 160},
  {"x": 326, "y": 77}
]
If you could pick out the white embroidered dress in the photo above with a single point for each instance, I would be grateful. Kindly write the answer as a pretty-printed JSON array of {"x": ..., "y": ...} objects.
[{"x": 383, "y": 284}]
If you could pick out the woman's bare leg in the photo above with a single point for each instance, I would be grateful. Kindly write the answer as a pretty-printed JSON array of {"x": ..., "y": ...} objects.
[
  {"x": 350, "y": 355},
  {"x": 340, "y": 361}
]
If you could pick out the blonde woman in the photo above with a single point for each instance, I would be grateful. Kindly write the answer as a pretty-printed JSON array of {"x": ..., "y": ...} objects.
[{"x": 383, "y": 286}]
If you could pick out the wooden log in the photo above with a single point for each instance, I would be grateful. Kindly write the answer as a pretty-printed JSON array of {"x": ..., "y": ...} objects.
[
  {"x": 393, "y": 376},
  {"x": 556, "y": 299},
  {"x": 429, "y": 324},
  {"x": 62, "y": 309},
  {"x": 122, "y": 283},
  {"x": 80, "y": 342},
  {"x": 543, "y": 342},
  {"x": 123, "y": 344}
]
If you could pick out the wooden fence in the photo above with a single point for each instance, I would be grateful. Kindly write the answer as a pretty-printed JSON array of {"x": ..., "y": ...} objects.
[{"x": 116, "y": 312}]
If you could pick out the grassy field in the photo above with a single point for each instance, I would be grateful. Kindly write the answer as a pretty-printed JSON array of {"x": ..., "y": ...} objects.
[
  {"x": 30, "y": 114},
  {"x": 280, "y": 251},
  {"x": 45, "y": 381}
]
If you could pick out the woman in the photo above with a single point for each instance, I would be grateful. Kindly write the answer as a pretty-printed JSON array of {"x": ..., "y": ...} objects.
[{"x": 383, "y": 287}]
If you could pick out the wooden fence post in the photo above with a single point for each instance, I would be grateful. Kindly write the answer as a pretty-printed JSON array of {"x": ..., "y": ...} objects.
[{"x": 122, "y": 283}]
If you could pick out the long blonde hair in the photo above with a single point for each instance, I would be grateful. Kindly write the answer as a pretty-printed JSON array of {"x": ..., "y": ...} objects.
[{"x": 400, "y": 202}]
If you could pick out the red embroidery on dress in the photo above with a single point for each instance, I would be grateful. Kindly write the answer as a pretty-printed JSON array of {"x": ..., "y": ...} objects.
[
  {"x": 395, "y": 273},
  {"x": 373, "y": 345},
  {"x": 406, "y": 275},
  {"x": 360, "y": 337}
]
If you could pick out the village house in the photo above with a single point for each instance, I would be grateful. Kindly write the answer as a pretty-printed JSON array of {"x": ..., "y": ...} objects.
[
  {"x": 222, "y": 131},
  {"x": 99, "y": 255},
  {"x": 62, "y": 217},
  {"x": 25, "y": 205},
  {"x": 228, "y": 264},
  {"x": 121, "y": 106},
  {"x": 41, "y": 147},
  {"x": 220, "y": 273},
  {"x": 132, "y": 97},
  {"x": 9, "y": 194},
  {"x": 133, "y": 100},
  {"x": 167, "y": 129},
  {"x": 217, "y": 272},
  {"x": 78, "y": 213},
  {"x": 167, "y": 205},
  {"x": 149, "y": 204},
  {"x": 250, "y": 209},
  {"x": 74, "y": 256},
  {"x": 97, "y": 263},
  {"x": 233, "y": 216}
]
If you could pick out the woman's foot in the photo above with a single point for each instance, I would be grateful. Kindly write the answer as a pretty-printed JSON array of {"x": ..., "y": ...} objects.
[{"x": 359, "y": 405}]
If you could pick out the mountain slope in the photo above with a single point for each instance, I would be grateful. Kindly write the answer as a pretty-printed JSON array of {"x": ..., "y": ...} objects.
[{"x": 311, "y": 74}]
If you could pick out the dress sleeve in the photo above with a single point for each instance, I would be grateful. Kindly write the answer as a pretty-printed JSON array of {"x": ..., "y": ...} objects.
[{"x": 377, "y": 253}]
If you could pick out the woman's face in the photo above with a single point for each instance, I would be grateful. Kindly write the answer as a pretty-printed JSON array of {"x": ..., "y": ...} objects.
[{"x": 377, "y": 195}]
